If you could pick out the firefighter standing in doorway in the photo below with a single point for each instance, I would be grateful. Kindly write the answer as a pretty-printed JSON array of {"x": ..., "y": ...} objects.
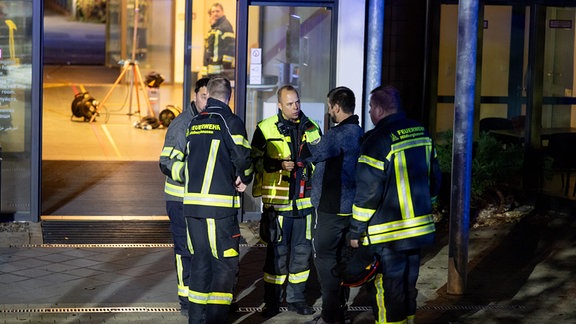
[{"x": 283, "y": 181}]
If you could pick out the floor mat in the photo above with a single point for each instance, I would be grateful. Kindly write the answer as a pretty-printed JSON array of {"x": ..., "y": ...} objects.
[
  {"x": 102, "y": 188},
  {"x": 106, "y": 232}
]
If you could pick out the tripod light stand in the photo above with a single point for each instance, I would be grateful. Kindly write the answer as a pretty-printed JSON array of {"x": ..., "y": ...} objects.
[{"x": 136, "y": 80}]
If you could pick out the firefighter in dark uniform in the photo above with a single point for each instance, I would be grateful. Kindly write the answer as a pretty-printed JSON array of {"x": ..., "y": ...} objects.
[
  {"x": 218, "y": 168},
  {"x": 219, "y": 45},
  {"x": 397, "y": 182},
  {"x": 283, "y": 181},
  {"x": 172, "y": 160}
]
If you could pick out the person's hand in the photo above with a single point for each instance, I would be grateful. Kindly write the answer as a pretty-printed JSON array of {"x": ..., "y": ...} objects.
[
  {"x": 354, "y": 243},
  {"x": 240, "y": 186},
  {"x": 288, "y": 165}
]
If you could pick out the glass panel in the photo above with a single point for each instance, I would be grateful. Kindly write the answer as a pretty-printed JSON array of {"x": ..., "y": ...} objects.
[
  {"x": 447, "y": 51},
  {"x": 152, "y": 48},
  {"x": 286, "y": 45},
  {"x": 213, "y": 39},
  {"x": 15, "y": 105},
  {"x": 559, "y": 66},
  {"x": 496, "y": 52}
]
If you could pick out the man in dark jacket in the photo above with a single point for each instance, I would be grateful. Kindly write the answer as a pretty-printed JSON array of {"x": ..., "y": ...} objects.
[
  {"x": 219, "y": 45},
  {"x": 218, "y": 168},
  {"x": 172, "y": 160},
  {"x": 333, "y": 189},
  {"x": 398, "y": 180}
]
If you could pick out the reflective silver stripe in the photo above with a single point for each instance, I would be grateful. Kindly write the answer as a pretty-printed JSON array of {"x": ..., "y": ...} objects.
[
  {"x": 176, "y": 167},
  {"x": 377, "y": 164},
  {"x": 166, "y": 150},
  {"x": 362, "y": 214},
  {"x": 174, "y": 190},
  {"x": 399, "y": 224},
  {"x": 212, "y": 200},
  {"x": 400, "y": 235},
  {"x": 211, "y": 226},
  {"x": 240, "y": 140},
  {"x": 403, "y": 186},
  {"x": 210, "y": 166},
  {"x": 303, "y": 203}
]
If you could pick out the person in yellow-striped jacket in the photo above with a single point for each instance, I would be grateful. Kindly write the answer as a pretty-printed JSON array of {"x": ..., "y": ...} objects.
[
  {"x": 218, "y": 168},
  {"x": 171, "y": 162},
  {"x": 283, "y": 180},
  {"x": 397, "y": 182}
]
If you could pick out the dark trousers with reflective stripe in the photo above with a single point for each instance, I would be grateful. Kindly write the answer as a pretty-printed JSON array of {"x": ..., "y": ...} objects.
[
  {"x": 181, "y": 253},
  {"x": 396, "y": 288},
  {"x": 215, "y": 244},
  {"x": 329, "y": 240},
  {"x": 291, "y": 255}
]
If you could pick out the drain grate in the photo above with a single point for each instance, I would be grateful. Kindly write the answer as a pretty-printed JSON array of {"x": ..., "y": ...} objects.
[
  {"x": 471, "y": 307},
  {"x": 119, "y": 246},
  {"x": 85, "y": 310},
  {"x": 244, "y": 309}
]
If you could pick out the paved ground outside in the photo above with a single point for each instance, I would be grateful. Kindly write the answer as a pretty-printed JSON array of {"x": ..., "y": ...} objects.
[{"x": 519, "y": 272}]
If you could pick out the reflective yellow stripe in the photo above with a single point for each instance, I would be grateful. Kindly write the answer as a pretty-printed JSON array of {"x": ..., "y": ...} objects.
[
  {"x": 212, "y": 200},
  {"x": 403, "y": 186},
  {"x": 281, "y": 224},
  {"x": 176, "y": 168},
  {"x": 381, "y": 313},
  {"x": 211, "y": 227},
  {"x": 173, "y": 189},
  {"x": 188, "y": 240},
  {"x": 399, "y": 224},
  {"x": 210, "y": 166},
  {"x": 282, "y": 208},
  {"x": 274, "y": 279},
  {"x": 400, "y": 234},
  {"x": 177, "y": 155},
  {"x": 230, "y": 253},
  {"x": 362, "y": 214},
  {"x": 242, "y": 141},
  {"x": 303, "y": 203},
  {"x": 219, "y": 298},
  {"x": 197, "y": 297},
  {"x": 371, "y": 162},
  {"x": 309, "y": 227},
  {"x": 408, "y": 144},
  {"x": 166, "y": 150},
  {"x": 182, "y": 288},
  {"x": 299, "y": 277}
]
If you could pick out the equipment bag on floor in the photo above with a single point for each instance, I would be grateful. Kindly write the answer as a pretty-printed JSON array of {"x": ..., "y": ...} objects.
[
  {"x": 84, "y": 106},
  {"x": 167, "y": 115}
]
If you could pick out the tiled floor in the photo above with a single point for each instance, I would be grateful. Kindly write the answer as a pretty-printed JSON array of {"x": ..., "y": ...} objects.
[{"x": 70, "y": 138}]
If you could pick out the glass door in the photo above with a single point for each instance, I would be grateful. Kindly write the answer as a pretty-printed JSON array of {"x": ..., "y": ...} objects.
[
  {"x": 506, "y": 65},
  {"x": 285, "y": 45}
]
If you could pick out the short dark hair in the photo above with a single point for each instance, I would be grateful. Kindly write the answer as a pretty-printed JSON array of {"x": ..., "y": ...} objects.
[
  {"x": 344, "y": 97},
  {"x": 216, "y": 4},
  {"x": 201, "y": 83},
  {"x": 286, "y": 87},
  {"x": 219, "y": 87},
  {"x": 387, "y": 98}
]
